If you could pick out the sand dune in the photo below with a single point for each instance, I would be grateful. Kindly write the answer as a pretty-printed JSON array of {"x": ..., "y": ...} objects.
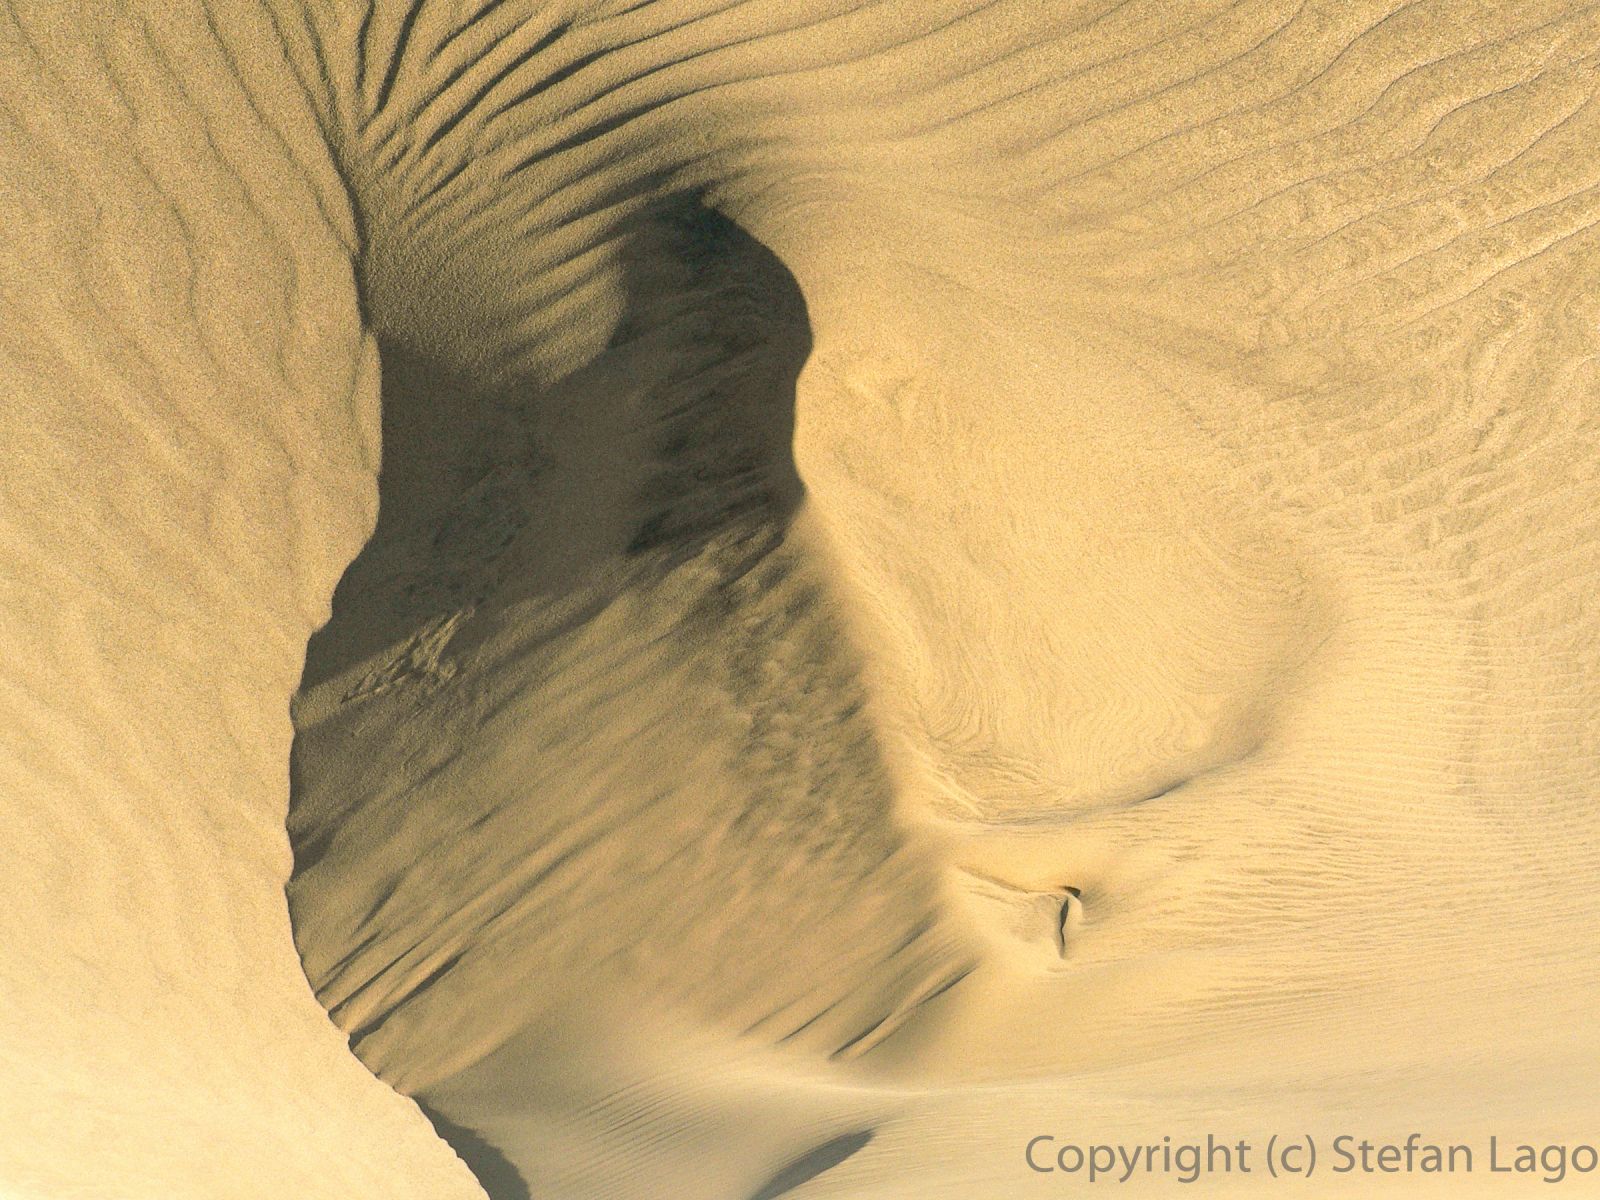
[{"x": 730, "y": 599}]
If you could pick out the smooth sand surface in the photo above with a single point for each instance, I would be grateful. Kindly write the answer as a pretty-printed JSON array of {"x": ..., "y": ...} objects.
[{"x": 725, "y": 599}]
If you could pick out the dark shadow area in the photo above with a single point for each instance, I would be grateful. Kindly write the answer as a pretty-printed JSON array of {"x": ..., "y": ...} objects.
[
  {"x": 683, "y": 427},
  {"x": 498, "y": 1177},
  {"x": 811, "y": 1164},
  {"x": 498, "y": 500}
]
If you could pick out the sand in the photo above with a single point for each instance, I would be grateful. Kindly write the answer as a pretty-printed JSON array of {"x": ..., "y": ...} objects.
[{"x": 734, "y": 600}]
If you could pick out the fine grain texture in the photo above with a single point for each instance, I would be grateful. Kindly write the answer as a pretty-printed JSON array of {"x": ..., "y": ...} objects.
[{"x": 725, "y": 599}]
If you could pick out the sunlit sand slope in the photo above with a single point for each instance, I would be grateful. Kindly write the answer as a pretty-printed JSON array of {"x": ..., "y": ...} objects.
[
  {"x": 190, "y": 431},
  {"x": 941, "y": 572}
]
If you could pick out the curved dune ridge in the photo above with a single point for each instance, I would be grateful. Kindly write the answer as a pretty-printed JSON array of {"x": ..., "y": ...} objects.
[{"x": 841, "y": 585}]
